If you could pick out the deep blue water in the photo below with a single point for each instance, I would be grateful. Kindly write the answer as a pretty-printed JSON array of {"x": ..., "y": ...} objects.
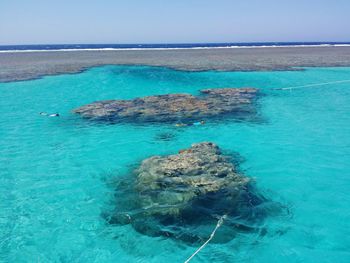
[
  {"x": 150, "y": 46},
  {"x": 57, "y": 174}
]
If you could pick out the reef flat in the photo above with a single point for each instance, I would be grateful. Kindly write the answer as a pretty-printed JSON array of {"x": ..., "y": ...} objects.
[
  {"x": 175, "y": 107},
  {"x": 30, "y": 65}
]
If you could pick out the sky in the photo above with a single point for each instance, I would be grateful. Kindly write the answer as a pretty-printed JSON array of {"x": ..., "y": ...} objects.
[{"x": 172, "y": 21}]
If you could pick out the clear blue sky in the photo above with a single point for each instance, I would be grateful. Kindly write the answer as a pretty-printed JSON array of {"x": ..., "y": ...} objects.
[{"x": 172, "y": 21}]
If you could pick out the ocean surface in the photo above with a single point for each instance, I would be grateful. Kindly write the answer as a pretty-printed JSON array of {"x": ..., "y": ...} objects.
[
  {"x": 57, "y": 174},
  {"x": 77, "y": 47}
]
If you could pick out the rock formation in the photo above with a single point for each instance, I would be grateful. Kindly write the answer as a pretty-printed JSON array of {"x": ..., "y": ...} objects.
[
  {"x": 175, "y": 107},
  {"x": 178, "y": 195}
]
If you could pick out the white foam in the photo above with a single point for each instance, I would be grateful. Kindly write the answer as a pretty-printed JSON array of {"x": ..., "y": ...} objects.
[{"x": 171, "y": 48}]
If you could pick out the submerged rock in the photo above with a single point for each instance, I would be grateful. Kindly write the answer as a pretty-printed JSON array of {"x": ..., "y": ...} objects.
[
  {"x": 165, "y": 136},
  {"x": 182, "y": 195},
  {"x": 175, "y": 107},
  {"x": 175, "y": 180}
]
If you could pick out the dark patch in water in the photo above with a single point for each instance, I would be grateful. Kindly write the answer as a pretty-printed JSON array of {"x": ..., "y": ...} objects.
[{"x": 165, "y": 136}]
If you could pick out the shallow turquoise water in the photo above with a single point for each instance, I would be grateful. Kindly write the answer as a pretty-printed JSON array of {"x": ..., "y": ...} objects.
[{"x": 56, "y": 174}]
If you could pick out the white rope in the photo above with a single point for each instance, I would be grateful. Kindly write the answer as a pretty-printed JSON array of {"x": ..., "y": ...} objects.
[
  {"x": 221, "y": 220},
  {"x": 313, "y": 85}
]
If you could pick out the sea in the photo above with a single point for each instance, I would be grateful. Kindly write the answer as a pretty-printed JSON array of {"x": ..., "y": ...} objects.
[
  {"x": 77, "y": 47},
  {"x": 58, "y": 175}
]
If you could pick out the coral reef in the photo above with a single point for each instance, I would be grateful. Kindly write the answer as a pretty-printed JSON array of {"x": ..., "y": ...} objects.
[
  {"x": 239, "y": 102},
  {"x": 182, "y": 195}
]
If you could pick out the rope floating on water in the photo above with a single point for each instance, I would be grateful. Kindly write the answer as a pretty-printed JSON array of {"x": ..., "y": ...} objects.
[
  {"x": 313, "y": 85},
  {"x": 220, "y": 222}
]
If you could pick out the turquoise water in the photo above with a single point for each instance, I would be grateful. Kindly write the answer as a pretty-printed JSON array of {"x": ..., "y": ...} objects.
[{"x": 57, "y": 174}]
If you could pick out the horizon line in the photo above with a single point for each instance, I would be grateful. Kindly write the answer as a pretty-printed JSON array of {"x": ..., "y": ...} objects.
[{"x": 184, "y": 43}]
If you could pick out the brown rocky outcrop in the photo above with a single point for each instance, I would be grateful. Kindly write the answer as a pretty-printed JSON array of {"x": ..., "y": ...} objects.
[
  {"x": 239, "y": 102},
  {"x": 181, "y": 195}
]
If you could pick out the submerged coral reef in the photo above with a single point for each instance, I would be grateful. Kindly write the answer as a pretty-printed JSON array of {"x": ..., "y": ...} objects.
[
  {"x": 175, "y": 107},
  {"x": 182, "y": 195}
]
